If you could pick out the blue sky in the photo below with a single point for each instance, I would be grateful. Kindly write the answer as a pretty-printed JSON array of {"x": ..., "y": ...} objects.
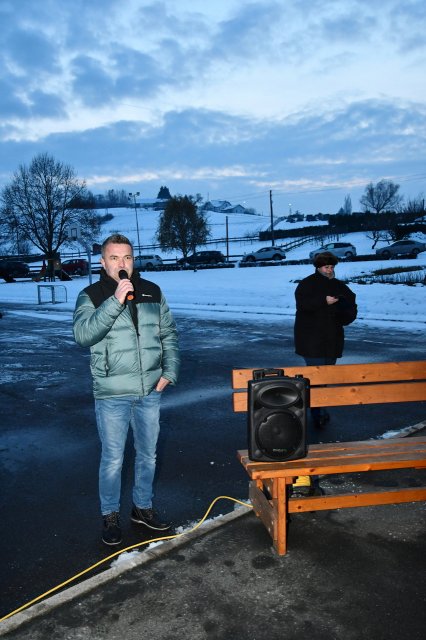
[{"x": 311, "y": 99}]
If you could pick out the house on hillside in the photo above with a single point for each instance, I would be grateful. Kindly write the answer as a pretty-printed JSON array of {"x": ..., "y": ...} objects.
[
  {"x": 159, "y": 204},
  {"x": 238, "y": 208},
  {"x": 153, "y": 204},
  {"x": 216, "y": 205},
  {"x": 224, "y": 206}
]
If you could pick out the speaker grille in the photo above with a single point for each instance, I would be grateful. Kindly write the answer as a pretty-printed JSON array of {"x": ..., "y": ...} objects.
[
  {"x": 279, "y": 434},
  {"x": 278, "y": 396}
]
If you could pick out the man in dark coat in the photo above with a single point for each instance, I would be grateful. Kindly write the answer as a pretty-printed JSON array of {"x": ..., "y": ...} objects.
[{"x": 324, "y": 305}]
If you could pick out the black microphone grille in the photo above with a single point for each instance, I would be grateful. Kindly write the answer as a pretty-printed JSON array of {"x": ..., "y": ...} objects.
[{"x": 122, "y": 274}]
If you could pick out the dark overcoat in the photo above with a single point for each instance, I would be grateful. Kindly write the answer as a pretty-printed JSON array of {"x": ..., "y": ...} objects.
[{"x": 318, "y": 329}]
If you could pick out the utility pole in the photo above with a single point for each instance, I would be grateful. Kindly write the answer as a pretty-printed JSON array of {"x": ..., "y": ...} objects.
[
  {"x": 134, "y": 195},
  {"x": 272, "y": 218},
  {"x": 227, "y": 240}
]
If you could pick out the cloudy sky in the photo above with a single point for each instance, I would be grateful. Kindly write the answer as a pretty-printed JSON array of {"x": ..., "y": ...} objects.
[{"x": 311, "y": 99}]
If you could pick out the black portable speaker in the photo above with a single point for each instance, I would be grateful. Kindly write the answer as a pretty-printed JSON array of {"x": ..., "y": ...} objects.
[{"x": 277, "y": 416}]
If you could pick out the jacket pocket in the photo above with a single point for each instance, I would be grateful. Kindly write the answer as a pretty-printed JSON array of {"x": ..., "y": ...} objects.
[{"x": 99, "y": 365}]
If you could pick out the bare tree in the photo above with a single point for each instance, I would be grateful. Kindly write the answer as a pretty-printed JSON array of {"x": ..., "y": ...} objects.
[
  {"x": 39, "y": 202},
  {"x": 415, "y": 207},
  {"x": 378, "y": 235},
  {"x": 381, "y": 197},
  {"x": 182, "y": 226}
]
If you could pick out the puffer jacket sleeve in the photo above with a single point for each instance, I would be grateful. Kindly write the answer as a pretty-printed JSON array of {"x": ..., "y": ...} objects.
[
  {"x": 91, "y": 325},
  {"x": 169, "y": 341}
]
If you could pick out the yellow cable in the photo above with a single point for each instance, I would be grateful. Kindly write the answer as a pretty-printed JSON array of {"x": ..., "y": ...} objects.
[{"x": 117, "y": 553}]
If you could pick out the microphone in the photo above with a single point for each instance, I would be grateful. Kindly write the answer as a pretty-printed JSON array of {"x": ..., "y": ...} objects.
[{"x": 122, "y": 274}]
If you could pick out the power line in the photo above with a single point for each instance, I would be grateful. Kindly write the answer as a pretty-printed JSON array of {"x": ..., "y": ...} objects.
[{"x": 301, "y": 190}]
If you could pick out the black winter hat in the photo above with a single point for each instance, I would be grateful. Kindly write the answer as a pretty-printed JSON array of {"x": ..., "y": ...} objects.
[{"x": 323, "y": 259}]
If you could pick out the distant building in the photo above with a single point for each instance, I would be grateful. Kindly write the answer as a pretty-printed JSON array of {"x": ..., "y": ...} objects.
[
  {"x": 216, "y": 205},
  {"x": 224, "y": 206},
  {"x": 155, "y": 204}
]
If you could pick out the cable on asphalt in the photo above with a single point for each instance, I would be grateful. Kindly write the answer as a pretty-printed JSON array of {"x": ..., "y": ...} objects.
[{"x": 117, "y": 553}]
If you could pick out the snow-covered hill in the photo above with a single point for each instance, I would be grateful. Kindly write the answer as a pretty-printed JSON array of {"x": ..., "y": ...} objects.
[{"x": 239, "y": 226}]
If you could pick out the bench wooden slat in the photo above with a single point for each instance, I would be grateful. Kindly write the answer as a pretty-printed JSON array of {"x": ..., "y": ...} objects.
[
  {"x": 343, "y": 501},
  {"x": 415, "y": 447},
  {"x": 339, "y": 466},
  {"x": 365, "y": 456},
  {"x": 350, "y": 449},
  {"x": 345, "y": 373},
  {"x": 383, "y": 444},
  {"x": 353, "y": 395}
]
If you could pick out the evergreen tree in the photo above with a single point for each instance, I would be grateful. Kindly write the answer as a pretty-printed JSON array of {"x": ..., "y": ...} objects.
[{"x": 164, "y": 194}]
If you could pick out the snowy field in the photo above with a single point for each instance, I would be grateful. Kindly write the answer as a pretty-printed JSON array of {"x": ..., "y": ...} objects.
[{"x": 261, "y": 291}]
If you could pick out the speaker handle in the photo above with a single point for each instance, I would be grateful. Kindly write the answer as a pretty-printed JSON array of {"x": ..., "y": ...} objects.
[{"x": 258, "y": 374}]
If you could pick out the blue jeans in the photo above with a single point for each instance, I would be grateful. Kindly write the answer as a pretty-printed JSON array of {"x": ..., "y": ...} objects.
[
  {"x": 113, "y": 416},
  {"x": 317, "y": 412}
]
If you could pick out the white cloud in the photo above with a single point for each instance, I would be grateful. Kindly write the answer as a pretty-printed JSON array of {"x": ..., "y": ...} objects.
[{"x": 224, "y": 95}]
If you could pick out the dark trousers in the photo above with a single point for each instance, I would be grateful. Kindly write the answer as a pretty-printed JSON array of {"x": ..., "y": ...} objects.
[{"x": 316, "y": 412}]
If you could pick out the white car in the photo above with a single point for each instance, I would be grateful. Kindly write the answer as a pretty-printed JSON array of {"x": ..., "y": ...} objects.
[
  {"x": 147, "y": 262},
  {"x": 338, "y": 249},
  {"x": 402, "y": 248},
  {"x": 266, "y": 253}
]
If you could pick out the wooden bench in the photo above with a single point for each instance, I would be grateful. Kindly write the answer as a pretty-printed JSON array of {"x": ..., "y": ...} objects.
[{"x": 339, "y": 385}]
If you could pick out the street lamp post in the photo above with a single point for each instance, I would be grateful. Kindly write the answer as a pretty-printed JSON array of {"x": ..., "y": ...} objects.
[
  {"x": 272, "y": 219},
  {"x": 134, "y": 195}
]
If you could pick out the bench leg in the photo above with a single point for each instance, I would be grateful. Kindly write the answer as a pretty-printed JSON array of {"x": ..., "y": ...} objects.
[
  {"x": 270, "y": 504},
  {"x": 280, "y": 508}
]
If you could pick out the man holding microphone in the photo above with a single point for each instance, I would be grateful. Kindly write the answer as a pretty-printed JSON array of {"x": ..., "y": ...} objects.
[{"x": 126, "y": 322}]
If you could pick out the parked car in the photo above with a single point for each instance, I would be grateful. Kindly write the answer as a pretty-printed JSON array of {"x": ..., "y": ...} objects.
[
  {"x": 266, "y": 253},
  {"x": 401, "y": 248},
  {"x": 75, "y": 267},
  {"x": 11, "y": 269},
  {"x": 203, "y": 257},
  {"x": 147, "y": 262},
  {"x": 338, "y": 249}
]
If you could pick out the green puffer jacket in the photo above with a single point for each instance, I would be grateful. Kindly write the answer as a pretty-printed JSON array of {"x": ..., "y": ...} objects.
[{"x": 128, "y": 355}]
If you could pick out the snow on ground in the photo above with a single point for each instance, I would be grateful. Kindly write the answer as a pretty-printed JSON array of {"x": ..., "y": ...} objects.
[
  {"x": 263, "y": 291},
  {"x": 244, "y": 292}
]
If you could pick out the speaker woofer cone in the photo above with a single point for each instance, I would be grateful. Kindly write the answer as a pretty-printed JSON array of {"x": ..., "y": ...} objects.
[{"x": 279, "y": 434}]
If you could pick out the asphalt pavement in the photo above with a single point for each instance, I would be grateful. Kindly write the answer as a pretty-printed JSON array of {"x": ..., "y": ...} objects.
[{"x": 353, "y": 573}]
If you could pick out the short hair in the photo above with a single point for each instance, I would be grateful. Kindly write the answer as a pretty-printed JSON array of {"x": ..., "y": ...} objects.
[{"x": 116, "y": 238}]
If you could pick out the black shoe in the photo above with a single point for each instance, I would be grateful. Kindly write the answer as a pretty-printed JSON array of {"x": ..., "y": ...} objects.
[
  {"x": 111, "y": 533},
  {"x": 301, "y": 492},
  {"x": 149, "y": 519}
]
